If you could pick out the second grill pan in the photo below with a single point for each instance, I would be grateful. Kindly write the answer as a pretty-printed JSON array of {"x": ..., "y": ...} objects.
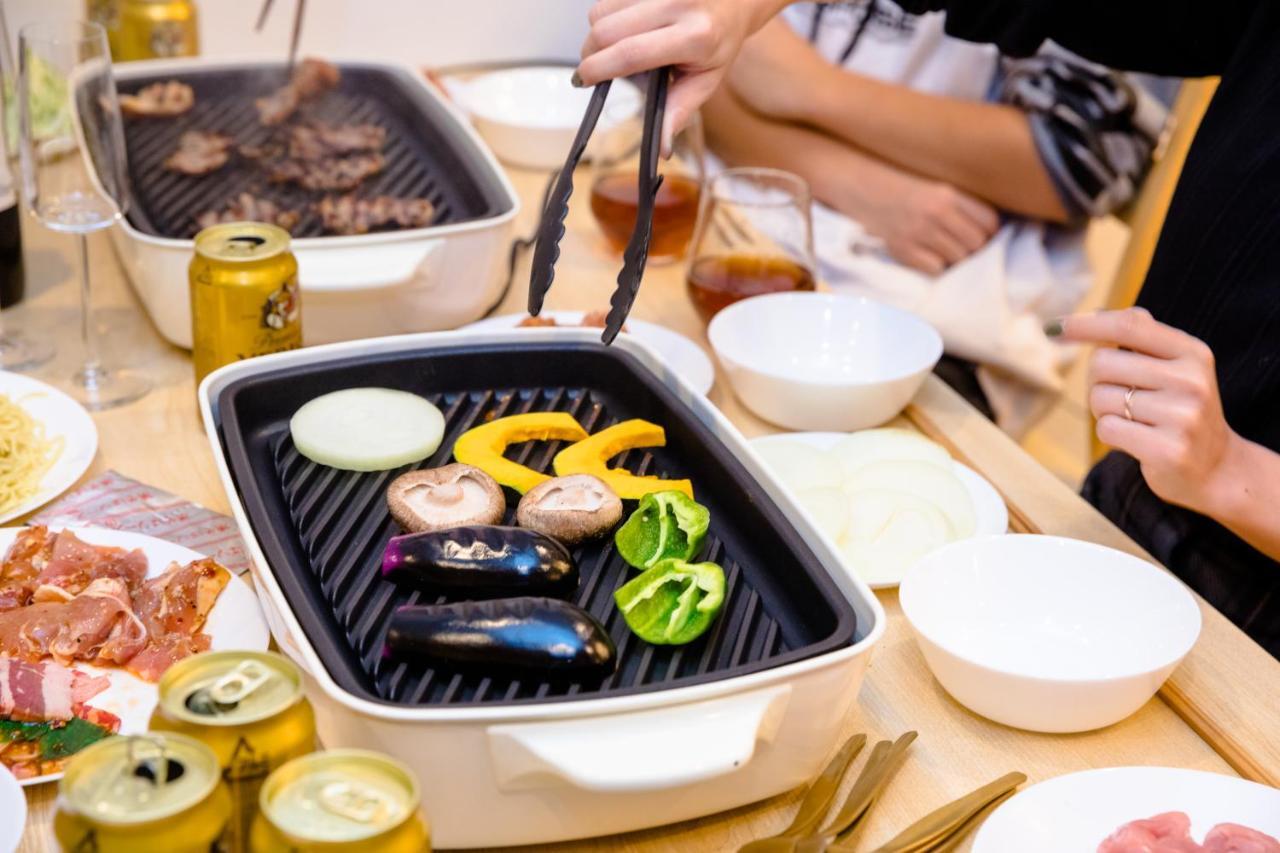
[{"x": 323, "y": 530}]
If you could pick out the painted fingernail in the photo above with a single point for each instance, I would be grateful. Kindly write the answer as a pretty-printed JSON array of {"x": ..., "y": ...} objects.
[
  {"x": 576, "y": 80},
  {"x": 1053, "y": 328}
]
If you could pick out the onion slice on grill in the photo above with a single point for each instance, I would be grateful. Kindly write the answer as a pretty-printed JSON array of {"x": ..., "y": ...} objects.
[{"x": 367, "y": 429}]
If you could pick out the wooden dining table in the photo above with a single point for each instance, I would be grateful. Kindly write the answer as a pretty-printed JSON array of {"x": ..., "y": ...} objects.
[{"x": 1219, "y": 712}]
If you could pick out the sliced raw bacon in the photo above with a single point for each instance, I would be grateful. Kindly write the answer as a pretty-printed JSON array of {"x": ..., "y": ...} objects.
[
  {"x": 97, "y": 626},
  {"x": 26, "y": 558},
  {"x": 74, "y": 564},
  {"x": 35, "y": 692},
  {"x": 1233, "y": 838},
  {"x": 173, "y": 607}
]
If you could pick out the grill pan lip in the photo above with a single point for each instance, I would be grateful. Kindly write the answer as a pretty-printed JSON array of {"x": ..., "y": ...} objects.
[
  {"x": 127, "y": 73},
  {"x": 871, "y": 620}
]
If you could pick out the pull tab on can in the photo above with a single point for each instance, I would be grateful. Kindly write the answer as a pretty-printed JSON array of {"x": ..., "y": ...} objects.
[
  {"x": 357, "y": 803},
  {"x": 240, "y": 683}
]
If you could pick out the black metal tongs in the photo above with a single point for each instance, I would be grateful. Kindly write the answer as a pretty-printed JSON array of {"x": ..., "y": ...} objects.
[
  {"x": 298, "y": 13},
  {"x": 551, "y": 227}
]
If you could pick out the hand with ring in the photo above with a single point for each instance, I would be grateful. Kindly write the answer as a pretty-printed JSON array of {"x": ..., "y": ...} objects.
[{"x": 1154, "y": 392}]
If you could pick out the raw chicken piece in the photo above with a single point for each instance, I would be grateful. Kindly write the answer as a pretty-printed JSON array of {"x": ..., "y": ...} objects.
[
  {"x": 1233, "y": 838},
  {"x": 1165, "y": 833}
]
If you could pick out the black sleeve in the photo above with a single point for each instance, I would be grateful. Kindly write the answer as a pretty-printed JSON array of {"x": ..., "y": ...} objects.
[{"x": 1178, "y": 38}]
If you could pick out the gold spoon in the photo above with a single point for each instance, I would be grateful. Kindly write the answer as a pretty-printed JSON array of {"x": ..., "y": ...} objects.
[{"x": 936, "y": 826}]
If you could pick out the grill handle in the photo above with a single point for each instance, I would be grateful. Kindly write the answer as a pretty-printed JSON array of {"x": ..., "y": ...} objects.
[
  {"x": 641, "y": 751},
  {"x": 371, "y": 266}
]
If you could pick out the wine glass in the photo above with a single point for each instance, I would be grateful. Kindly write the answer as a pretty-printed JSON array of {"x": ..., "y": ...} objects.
[
  {"x": 754, "y": 236},
  {"x": 614, "y": 153},
  {"x": 17, "y": 351},
  {"x": 73, "y": 166}
]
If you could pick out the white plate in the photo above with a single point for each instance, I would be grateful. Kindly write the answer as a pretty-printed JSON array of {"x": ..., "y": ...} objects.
[
  {"x": 13, "y": 811},
  {"x": 683, "y": 355},
  {"x": 63, "y": 417},
  {"x": 235, "y": 622},
  {"x": 1074, "y": 813},
  {"x": 990, "y": 513}
]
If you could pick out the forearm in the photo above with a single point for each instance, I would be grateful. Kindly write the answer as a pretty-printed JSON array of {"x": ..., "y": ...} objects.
[
  {"x": 1245, "y": 493},
  {"x": 839, "y": 175},
  {"x": 982, "y": 148}
]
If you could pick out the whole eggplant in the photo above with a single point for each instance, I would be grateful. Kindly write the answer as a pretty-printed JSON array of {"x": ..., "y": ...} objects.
[
  {"x": 482, "y": 559},
  {"x": 542, "y": 637}
]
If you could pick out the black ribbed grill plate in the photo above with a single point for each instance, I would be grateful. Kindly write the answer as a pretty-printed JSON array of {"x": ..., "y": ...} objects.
[
  {"x": 323, "y": 530},
  {"x": 425, "y": 154}
]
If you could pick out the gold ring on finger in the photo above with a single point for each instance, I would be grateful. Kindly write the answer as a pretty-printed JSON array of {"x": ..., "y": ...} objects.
[{"x": 1128, "y": 403}]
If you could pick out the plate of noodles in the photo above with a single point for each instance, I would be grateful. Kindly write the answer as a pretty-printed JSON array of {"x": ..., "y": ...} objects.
[{"x": 47, "y": 441}]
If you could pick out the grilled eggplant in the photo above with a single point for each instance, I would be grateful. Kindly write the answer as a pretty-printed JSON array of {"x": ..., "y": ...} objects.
[
  {"x": 481, "y": 560},
  {"x": 543, "y": 637}
]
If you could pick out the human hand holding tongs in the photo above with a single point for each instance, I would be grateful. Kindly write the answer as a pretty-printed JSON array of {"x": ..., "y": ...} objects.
[
  {"x": 298, "y": 12},
  {"x": 551, "y": 227}
]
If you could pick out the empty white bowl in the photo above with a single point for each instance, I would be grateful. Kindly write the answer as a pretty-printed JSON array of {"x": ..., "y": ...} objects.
[
  {"x": 823, "y": 361},
  {"x": 1045, "y": 633},
  {"x": 529, "y": 115}
]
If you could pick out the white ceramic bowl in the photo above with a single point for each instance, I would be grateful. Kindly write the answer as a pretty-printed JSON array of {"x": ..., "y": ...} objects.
[
  {"x": 1045, "y": 633},
  {"x": 529, "y": 115},
  {"x": 823, "y": 361}
]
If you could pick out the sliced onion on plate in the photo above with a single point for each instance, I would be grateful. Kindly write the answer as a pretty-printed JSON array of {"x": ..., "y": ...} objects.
[
  {"x": 932, "y": 483},
  {"x": 859, "y": 449}
]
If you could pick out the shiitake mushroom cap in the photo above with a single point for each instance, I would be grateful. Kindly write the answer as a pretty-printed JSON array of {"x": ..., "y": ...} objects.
[
  {"x": 572, "y": 508},
  {"x": 449, "y": 496}
]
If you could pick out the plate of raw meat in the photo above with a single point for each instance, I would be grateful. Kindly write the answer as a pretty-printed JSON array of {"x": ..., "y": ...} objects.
[
  {"x": 1136, "y": 810},
  {"x": 89, "y": 621}
]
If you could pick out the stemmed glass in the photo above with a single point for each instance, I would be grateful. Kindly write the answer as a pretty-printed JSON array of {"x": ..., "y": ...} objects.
[
  {"x": 73, "y": 166},
  {"x": 754, "y": 236},
  {"x": 17, "y": 351}
]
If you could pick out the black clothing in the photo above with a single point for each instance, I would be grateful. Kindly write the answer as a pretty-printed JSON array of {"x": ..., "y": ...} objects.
[
  {"x": 962, "y": 376},
  {"x": 1236, "y": 579},
  {"x": 1216, "y": 270}
]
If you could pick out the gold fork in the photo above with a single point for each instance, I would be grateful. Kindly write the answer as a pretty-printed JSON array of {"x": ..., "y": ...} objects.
[{"x": 814, "y": 805}]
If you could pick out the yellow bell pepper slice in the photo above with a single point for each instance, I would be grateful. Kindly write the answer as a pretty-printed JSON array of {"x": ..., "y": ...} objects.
[
  {"x": 484, "y": 446},
  {"x": 591, "y": 455}
]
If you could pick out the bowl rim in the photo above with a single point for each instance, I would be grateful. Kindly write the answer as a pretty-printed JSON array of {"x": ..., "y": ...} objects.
[
  {"x": 717, "y": 324},
  {"x": 905, "y": 594},
  {"x": 483, "y": 108}
]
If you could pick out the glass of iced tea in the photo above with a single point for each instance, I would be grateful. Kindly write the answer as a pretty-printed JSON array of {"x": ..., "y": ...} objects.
[
  {"x": 615, "y": 162},
  {"x": 754, "y": 236}
]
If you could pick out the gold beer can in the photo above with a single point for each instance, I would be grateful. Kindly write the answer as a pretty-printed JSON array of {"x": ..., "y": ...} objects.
[
  {"x": 249, "y": 709},
  {"x": 337, "y": 801},
  {"x": 245, "y": 299},
  {"x": 148, "y": 29},
  {"x": 142, "y": 794}
]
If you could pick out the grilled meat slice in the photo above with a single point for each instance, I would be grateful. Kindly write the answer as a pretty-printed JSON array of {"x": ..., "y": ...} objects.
[
  {"x": 347, "y": 214},
  {"x": 200, "y": 152},
  {"x": 320, "y": 141},
  {"x": 327, "y": 175},
  {"x": 249, "y": 208},
  {"x": 310, "y": 78},
  {"x": 159, "y": 100}
]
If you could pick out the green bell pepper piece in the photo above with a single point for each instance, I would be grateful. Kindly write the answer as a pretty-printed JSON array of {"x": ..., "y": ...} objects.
[
  {"x": 672, "y": 603},
  {"x": 665, "y": 526}
]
